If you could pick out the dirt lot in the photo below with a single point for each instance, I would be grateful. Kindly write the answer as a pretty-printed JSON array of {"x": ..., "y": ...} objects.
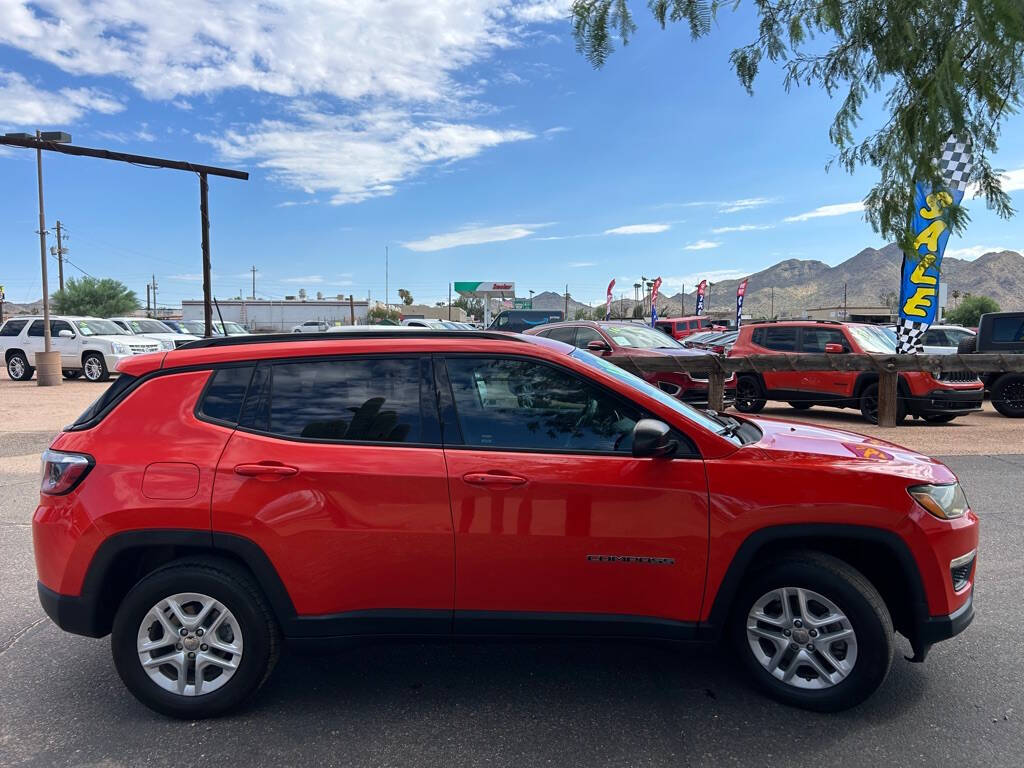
[{"x": 28, "y": 408}]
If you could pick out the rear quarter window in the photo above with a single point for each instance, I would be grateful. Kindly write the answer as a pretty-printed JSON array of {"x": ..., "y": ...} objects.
[
  {"x": 225, "y": 393},
  {"x": 13, "y": 327}
]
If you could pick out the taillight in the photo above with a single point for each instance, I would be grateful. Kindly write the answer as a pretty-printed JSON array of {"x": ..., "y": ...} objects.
[{"x": 63, "y": 471}]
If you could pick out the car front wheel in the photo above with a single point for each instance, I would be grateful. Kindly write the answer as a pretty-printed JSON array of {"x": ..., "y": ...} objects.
[
  {"x": 1008, "y": 396},
  {"x": 95, "y": 367},
  {"x": 869, "y": 405},
  {"x": 194, "y": 639},
  {"x": 813, "y": 632}
]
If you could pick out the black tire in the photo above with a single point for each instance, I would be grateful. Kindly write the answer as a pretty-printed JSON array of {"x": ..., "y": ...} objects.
[
  {"x": 749, "y": 395},
  {"x": 94, "y": 367},
  {"x": 967, "y": 346},
  {"x": 854, "y": 596},
  {"x": 801, "y": 406},
  {"x": 72, "y": 374},
  {"x": 939, "y": 418},
  {"x": 18, "y": 368},
  {"x": 234, "y": 589},
  {"x": 1008, "y": 395},
  {"x": 869, "y": 405}
]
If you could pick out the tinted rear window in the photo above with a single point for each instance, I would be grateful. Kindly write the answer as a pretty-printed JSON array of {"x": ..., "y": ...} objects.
[
  {"x": 1007, "y": 330},
  {"x": 12, "y": 327},
  {"x": 111, "y": 395},
  {"x": 225, "y": 394}
]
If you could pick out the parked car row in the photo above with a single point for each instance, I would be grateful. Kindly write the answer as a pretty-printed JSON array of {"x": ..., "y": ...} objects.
[{"x": 91, "y": 347}]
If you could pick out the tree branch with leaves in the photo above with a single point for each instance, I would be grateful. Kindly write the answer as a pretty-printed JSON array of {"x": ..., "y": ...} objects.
[{"x": 943, "y": 67}]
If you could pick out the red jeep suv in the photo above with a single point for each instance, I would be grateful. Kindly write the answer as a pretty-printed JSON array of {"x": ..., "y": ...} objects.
[
  {"x": 239, "y": 492},
  {"x": 935, "y": 399}
]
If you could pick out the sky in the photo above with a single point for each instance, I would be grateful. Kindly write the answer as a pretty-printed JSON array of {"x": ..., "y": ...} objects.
[{"x": 466, "y": 138}]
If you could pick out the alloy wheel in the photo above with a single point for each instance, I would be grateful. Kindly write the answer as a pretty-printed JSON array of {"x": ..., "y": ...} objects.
[
  {"x": 15, "y": 368},
  {"x": 801, "y": 638},
  {"x": 93, "y": 369},
  {"x": 190, "y": 644}
]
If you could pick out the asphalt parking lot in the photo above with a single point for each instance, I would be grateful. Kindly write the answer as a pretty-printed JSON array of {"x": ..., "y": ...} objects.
[{"x": 527, "y": 704}]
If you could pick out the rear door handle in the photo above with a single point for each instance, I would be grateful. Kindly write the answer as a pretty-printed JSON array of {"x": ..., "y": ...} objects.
[
  {"x": 490, "y": 478},
  {"x": 266, "y": 471}
]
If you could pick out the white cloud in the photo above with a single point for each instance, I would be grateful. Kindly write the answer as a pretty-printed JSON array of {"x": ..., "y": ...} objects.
[
  {"x": 970, "y": 253},
  {"x": 312, "y": 279},
  {"x": 579, "y": 264},
  {"x": 745, "y": 204},
  {"x": 23, "y": 105},
  {"x": 839, "y": 209},
  {"x": 701, "y": 245},
  {"x": 1013, "y": 181},
  {"x": 638, "y": 229},
  {"x": 355, "y": 157},
  {"x": 472, "y": 236},
  {"x": 293, "y": 203},
  {"x": 741, "y": 228},
  {"x": 543, "y": 10}
]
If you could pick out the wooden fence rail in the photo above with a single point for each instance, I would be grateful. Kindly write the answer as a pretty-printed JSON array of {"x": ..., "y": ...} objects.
[{"x": 888, "y": 367}]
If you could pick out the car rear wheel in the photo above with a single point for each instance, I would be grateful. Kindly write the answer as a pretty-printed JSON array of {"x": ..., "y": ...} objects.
[
  {"x": 1008, "y": 396},
  {"x": 71, "y": 374},
  {"x": 95, "y": 367},
  {"x": 813, "y": 632},
  {"x": 869, "y": 405},
  {"x": 18, "y": 368},
  {"x": 194, "y": 639},
  {"x": 749, "y": 395}
]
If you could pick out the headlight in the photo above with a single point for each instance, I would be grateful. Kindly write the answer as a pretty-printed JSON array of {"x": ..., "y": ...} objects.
[
  {"x": 119, "y": 349},
  {"x": 946, "y": 502},
  {"x": 167, "y": 344}
]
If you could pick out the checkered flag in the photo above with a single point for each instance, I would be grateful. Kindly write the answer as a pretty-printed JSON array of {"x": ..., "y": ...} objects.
[
  {"x": 908, "y": 336},
  {"x": 956, "y": 164}
]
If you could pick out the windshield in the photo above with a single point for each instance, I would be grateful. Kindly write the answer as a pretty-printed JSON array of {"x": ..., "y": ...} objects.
[
  {"x": 700, "y": 418},
  {"x": 98, "y": 328},
  {"x": 148, "y": 326},
  {"x": 234, "y": 329},
  {"x": 873, "y": 339},
  {"x": 640, "y": 337},
  {"x": 194, "y": 327}
]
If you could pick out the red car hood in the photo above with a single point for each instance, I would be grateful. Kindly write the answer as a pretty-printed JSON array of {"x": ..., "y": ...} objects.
[{"x": 796, "y": 441}]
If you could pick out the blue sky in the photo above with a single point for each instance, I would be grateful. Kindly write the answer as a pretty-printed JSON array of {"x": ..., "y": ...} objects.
[{"x": 467, "y": 136}]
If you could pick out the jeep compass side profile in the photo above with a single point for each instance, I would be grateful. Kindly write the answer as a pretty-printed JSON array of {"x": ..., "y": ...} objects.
[{"x": 236, "y": 493}]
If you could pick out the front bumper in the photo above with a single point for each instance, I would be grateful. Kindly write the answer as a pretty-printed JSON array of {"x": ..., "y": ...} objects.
[{"x": 945, "y": 401}]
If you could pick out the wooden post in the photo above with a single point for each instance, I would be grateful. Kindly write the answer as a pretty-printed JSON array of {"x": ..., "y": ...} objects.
[
  {"x": 888, "y": 398},
  {"x": 352, "y": 308},
  {"x": 716, "y": 390}
]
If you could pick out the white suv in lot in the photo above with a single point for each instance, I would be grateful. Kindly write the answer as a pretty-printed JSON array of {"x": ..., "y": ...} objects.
[
  {"x": 88, "y": 346},
  {"x": 153, "y": 329}
]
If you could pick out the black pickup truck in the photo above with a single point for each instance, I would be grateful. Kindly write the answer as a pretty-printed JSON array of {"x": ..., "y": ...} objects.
[{"x": 1001, "y": 332}]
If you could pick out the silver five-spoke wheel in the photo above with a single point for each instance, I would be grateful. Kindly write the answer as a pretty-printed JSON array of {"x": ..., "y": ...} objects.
[
  {"x": 93, "y": 368},
  {"x": 16, "y": 368},
  {"x": 190, "y": 644},
  {"x": 801, "y": 638}
]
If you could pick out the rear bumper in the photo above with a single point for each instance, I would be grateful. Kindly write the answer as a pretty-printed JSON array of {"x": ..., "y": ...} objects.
[
  {"x": 945, "y": 401},
  {"x": 937, "y": 628},
  {"x": 74, "y": 614}
]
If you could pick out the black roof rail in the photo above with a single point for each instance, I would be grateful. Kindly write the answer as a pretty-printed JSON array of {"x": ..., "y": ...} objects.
[
  {"x": 796, "y": 320},
  {"x": 274, "y": 338}
]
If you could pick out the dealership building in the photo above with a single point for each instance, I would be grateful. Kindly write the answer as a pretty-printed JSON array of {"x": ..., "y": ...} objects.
[{"x": 282, "y": 315}]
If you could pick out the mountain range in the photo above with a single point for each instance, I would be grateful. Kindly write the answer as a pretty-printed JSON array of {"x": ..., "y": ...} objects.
[{"x": 870, "y": 278}]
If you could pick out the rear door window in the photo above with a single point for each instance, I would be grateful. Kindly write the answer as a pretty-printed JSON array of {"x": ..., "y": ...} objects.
[
  {"x": 814, "y": 339},
  {"x": 13, "y": 327},
  {"x": 371, "y": 400},
  {"x": 779, "y": 339},
  {"x": 934, "y": 338},
  {"x": 565, "y": 334},
  {"x": 36, "y": 329}
]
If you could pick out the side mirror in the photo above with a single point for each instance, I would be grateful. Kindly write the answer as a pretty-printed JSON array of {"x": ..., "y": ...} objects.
[
  {"x": 65, "y": 334},
  {"x": 598, "y": 345},
  {"x": 651, "y": 440},
  {"x": 834, "y": 349}
]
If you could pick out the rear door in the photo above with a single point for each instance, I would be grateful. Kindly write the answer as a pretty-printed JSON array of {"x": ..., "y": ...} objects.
[
  {"x": 336, "y": 471},
  {"x": 558, "y": 527},
  {"x": 779, "y": 339}
]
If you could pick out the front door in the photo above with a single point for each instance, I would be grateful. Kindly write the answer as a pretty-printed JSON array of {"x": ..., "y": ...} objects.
[
  {"x": 557, "y": 526},
  {"x": 70, "y": 348},
  {"x": 337, "y": 473}
]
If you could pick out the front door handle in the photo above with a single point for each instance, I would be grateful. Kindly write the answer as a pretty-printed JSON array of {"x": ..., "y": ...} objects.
[
  {"x": 491, "y": 478},
  {"x": 266, "y": 471}
]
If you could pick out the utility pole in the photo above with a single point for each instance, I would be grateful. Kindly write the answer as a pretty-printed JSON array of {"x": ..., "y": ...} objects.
[
  {"x": 387, "y": 295},
  {"x": 49, "y": 374},
  {"x": 772, "y": 316},
  {"x": 148, "y": 311},
  {"x": 846, "y": 313},
  {"x": 566, "y": 301},
  {"x": 61, "y": 250},
  {"x": 449, "y": 301},
  {"x": 155, "y": 312},
  {"x": 253, "y": 282}
]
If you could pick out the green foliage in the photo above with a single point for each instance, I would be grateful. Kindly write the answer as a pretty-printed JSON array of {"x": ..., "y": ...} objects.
[
  {"x": 472, "y": 307},
  {"x": 381, "y": 316},
  {"x": 946, "y": 68},
  {"x": 970, "y": 310},
  {"x": 95, "y": 298},
  {"x": 405, "y": 296}
]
